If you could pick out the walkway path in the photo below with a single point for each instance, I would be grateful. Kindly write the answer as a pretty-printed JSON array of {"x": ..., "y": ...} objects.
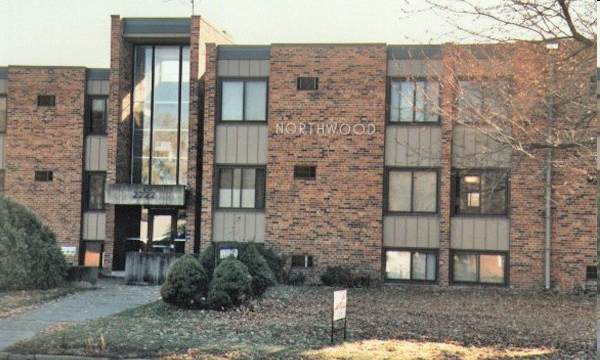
[{"x": 110, "y": 297}]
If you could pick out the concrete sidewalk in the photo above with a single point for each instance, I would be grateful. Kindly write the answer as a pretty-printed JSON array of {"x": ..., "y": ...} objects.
[{"x": 111, "y": 296}]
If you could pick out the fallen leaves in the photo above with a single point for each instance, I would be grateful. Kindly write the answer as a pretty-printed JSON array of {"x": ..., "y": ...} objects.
[{"x": 295, "y": 322}]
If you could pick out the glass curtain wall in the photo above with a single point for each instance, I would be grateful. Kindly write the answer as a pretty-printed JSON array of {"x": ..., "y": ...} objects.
[{"x": 160, "y": 115}]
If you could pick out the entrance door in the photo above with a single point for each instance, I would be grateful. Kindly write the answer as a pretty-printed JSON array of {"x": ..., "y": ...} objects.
[{"x": 162, "y": 229}]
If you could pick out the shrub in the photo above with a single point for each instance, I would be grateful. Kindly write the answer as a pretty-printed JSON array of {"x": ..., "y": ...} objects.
[
  {"x": 343, "y": 276},
  {"x": 296, "y": 279},
  {"x": 262, "y": 276},
  {"x": 186, "y": 283},
  {"x": 208, "y": 260},
  {"x": 30, "y": 258},
  {"x": 232, "y": 278},
  {"x": 276, "y": 263}
]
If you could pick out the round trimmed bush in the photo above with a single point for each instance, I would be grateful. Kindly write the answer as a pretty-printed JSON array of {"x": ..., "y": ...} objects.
[
  {"x": 262, "y": 276},
  {"x": 231, "y": 277},
  {"x": 30, "y": 258},
  {"x": 186, "y": 284}
]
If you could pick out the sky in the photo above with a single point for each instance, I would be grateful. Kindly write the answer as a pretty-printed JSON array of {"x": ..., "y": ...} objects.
[{"x": 76, "y": 32}]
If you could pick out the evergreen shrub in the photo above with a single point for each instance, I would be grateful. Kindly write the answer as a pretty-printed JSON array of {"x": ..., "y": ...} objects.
[
  {"x": 276, "y": 263},
  {"x": 262, "y": 276},
  {"x": 232, "y": 278},
  {"x": 208, "y": 260},
  {"x": 187, "y": 283},
  {"x": 30, "y": 257}
]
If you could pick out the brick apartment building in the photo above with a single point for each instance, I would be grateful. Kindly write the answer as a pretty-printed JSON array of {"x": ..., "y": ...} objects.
[{"x": 374, "y": 156}]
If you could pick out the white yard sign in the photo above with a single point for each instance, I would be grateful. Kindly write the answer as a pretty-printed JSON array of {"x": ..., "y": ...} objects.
[{"x": 339, "y": 304}]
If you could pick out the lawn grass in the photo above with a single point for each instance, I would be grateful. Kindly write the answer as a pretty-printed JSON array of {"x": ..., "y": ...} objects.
[
  {"x": 15, "y": 302},
  {"x": 383, "y": 323}
]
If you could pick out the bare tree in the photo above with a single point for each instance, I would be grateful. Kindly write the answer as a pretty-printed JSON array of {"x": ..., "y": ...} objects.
[
  {"x": 506, "y": 20},
  {"x": 530, "y": 89}
]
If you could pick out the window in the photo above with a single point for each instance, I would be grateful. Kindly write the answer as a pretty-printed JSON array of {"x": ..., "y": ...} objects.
[
  {"x": 45, "y": 100},
  {"x": 414, "y": 101},
  {"x": 160, "y": 113},
  {"x": 481, "y": 192},
  {"x": 244, "y": 100},
  {"x": 304, "y": 261},
  {"x": 3, "y": 113},
  {"x": 95, "y": 190},
  {"x": 308, "y": 83},
  {"x": 482, "y": 99},
  {"x": 471, "y": 267},
  {"x": 97, "y": 116},
  {"x": 93, "y": 253},
  {"x": 412, "y": 265},
  {"x": 305, "y": 172},
  {"x": 412, "y": 191},
  {"x": 43, "y": 176},
  {"x": 591, "y": 272},
  {"x": 227, "y": 252},
  {"x": 241, "y": 188}
]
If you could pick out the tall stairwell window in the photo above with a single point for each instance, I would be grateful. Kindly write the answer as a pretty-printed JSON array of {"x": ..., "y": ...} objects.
[{"x": 160, "y": 115}]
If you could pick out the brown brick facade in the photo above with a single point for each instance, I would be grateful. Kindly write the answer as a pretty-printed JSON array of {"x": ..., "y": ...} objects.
[
  {"x": 339, "y": 128},
  {"x": 336, "y": 218},
  {"x": 41, "y": 138}
]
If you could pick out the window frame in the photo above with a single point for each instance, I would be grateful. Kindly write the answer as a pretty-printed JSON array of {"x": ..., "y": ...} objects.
[
  {"x": 311, "y": 172},
  {"x": 89, "y": 116},
  {"x": 259, "y": 202},
  {"x": 412, "y": 251},
  {"x": 478, "y": 253},
  {"x": 412, "y": 170},
  {"x": 483, "y": 84},
  {"x": 390, "y": 94},
  {"x": 302, "y": 83},
  {"x": 87, "y": 190},
  {"x": 43, "y": 175},
  {"x": 46, "y": 100},
  {"x": 244, "y": 80},
  {"x": 455, "y": 200}
]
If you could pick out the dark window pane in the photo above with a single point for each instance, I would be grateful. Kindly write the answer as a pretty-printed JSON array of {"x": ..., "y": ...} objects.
[
  {"x": 43, "y": 176},
  {"x": 45, "y": 100},
  {"x": 482, "y": 192},
  {"x": 305, "y": 172},
  {"x": 98, "y": 116},
  {"x": 308, "y": 83},
  {"x": 95, "y": 191}
]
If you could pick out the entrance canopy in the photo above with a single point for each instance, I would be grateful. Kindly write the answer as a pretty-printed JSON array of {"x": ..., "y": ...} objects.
[{"x": 138, "y": 194}]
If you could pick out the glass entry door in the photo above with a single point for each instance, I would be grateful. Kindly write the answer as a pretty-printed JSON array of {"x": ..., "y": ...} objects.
[{"x": 163, "y": 229}]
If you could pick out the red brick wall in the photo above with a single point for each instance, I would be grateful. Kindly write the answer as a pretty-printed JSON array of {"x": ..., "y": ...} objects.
[
  {"x": 207, "y": 164},
  {"x": 337, "y": 218},
  {"x": 47, "y": 139}
]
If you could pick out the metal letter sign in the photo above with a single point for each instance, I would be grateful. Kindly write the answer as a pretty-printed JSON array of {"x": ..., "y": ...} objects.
[{"x": 339, "y": 310}]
